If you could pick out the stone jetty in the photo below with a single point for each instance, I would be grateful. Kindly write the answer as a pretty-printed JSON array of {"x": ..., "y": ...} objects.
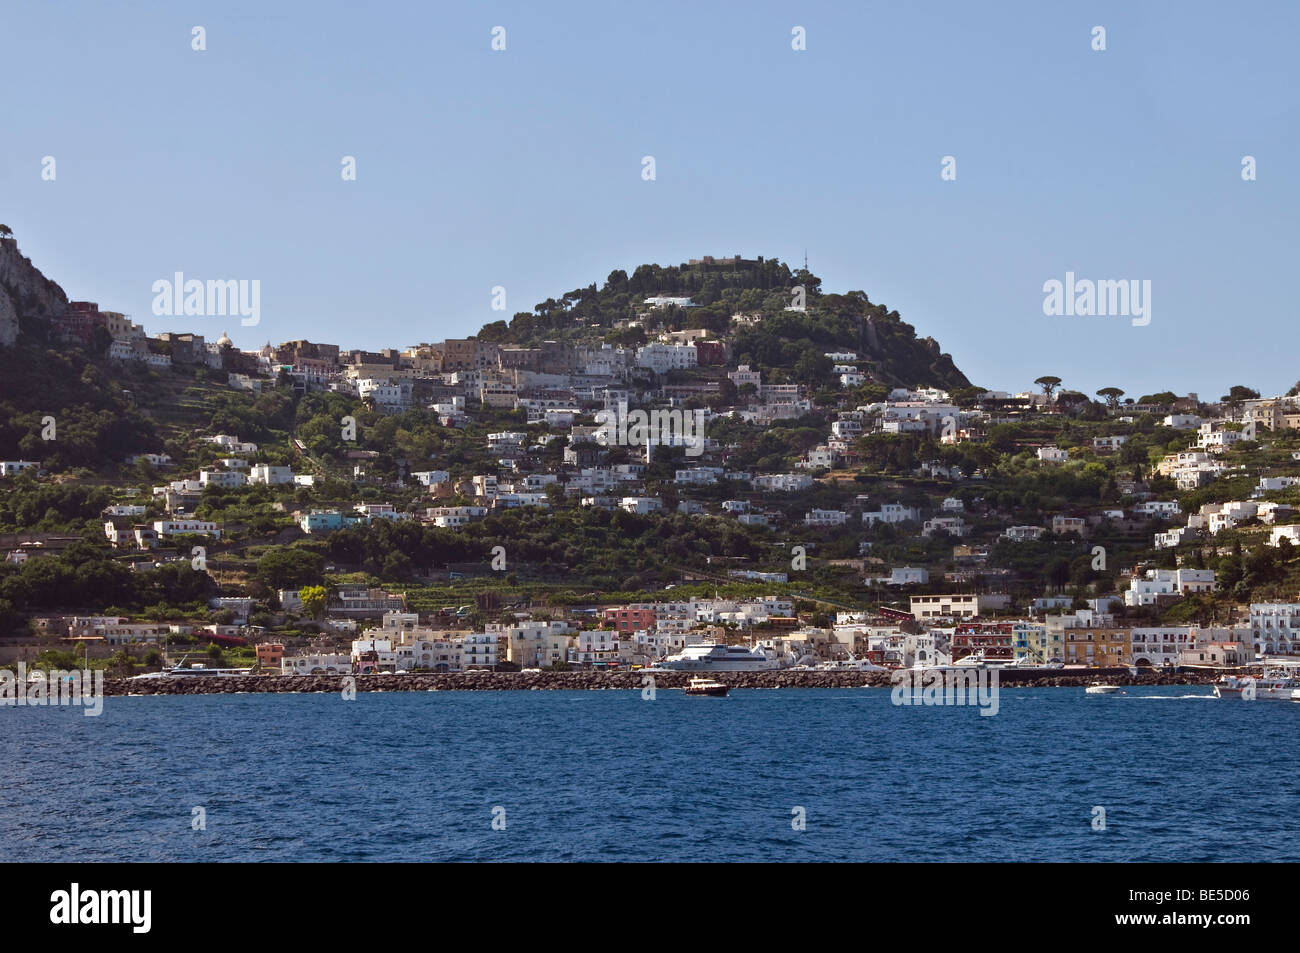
[{"x": 592, "y": 681}]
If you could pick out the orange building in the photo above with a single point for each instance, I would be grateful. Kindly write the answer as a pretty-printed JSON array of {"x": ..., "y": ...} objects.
[{"x": 270, "y": 655}]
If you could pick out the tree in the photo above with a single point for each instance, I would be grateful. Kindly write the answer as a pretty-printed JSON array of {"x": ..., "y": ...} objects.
[
  {"x": 290, "y": 568},
  {"x": 1048, "y": 384},
  {"x": 1111, "y": 395},
  {"x": 314, "y": 599},
  {"x": 1239, "y": 392},
  {"x": 6, "y": 231}
]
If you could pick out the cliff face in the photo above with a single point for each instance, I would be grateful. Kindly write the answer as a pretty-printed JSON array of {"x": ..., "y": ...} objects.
[{"x": 24, "y": 291}]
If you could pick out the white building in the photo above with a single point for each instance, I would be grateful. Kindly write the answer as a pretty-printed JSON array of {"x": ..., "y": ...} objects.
[
  {"x": 952, "y": 525},
  {"x": 1160, "y": 645},
  {"x": 265, "y": 473},
  {"x": 449, "y": 517},
  {"x": 906, "y": 576},
  {"x": 1214, "y": 437},
  {"x": 1158, "y": 509},
  {"x": 430, "y": 477},
  {"x": 826, "y": 518},
  {"x": 892, "y": 513},
  {"x": 1144, "y": 589},
  {"x": 1290, "y": 532},
  {"x": 186, "y": 527},
  {"x": 698, "y": 476},
  {"x": 1275, "y": 627},
  {"x": 317, "y": 663},
  {"x": 662, "y": 358},
  {"x": 479, "y": 650},
  {"x": 227, "y": 479},
  {"x": 783, "y": 482},
  {"x": 945, "y": 607}
]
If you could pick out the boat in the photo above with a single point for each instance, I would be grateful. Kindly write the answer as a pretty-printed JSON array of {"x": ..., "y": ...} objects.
[
  {"x": 978, "y": 659},
  {"x": 1295, "y": 694},
  {"x": 716, "y": 657},
  {"x": 1101, "y": 689},
  {"x": 851, "y": 664},
  {"x": 198, "y": 668},
  {"x": 1271, "y": 686},
  {"x": 706, "y": 686}
]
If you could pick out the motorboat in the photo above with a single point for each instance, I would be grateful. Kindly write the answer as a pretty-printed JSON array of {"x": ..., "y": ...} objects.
[
  {"x": 706, "y": 686},
  {"x": 1101, "y": 689}
]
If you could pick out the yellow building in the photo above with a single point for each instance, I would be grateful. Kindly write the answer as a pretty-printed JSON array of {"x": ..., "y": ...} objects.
[{"x": 1104, "y": 648}]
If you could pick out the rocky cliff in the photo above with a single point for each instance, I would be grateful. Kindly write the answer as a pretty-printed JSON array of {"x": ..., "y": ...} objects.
[{"x": 24, "y": 292}]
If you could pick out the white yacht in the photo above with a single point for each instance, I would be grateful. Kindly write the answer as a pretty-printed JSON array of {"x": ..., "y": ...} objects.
[
  {"x": 978, "y": 659},
  {"x": 198, "y": 669},
  {"x": 851, "y": 664},
  {"x": 716, "y": 657}
]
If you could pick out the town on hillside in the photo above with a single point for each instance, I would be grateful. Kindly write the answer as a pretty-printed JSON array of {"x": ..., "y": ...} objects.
[{"x": 713, "y": 454}]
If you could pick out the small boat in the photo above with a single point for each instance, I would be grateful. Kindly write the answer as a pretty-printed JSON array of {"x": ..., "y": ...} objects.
[
  {"x": 1101, "y": 689},
  {"x": 1295, "y": 694},
  {"x": 706, "y": 686}
]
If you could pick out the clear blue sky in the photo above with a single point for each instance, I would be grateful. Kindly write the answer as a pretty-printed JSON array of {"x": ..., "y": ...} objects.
[{"x": 522, "y": 168}]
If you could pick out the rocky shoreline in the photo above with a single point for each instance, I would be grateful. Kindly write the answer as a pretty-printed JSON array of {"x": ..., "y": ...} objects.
[{"x": 595, "y": 681}]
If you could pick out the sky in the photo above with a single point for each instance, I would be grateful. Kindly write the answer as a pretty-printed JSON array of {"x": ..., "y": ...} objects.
[{"x": 522, "y": 168}]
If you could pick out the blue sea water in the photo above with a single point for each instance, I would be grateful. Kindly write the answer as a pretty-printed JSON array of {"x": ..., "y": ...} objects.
[{"x": 606, "y": 775}]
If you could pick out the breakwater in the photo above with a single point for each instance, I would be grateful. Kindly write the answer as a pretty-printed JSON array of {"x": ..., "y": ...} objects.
[{"x": 594, "y": 681}]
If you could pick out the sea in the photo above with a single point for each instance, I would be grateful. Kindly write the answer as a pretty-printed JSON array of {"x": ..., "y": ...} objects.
[{"x": 785, "y": 775}]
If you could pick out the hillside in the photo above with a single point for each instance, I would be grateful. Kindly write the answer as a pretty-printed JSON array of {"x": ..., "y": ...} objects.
[{"x": 719, "y": 291}]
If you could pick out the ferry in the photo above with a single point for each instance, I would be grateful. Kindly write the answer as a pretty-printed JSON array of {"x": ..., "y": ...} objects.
[
  {"x": 1273, "y": 686},
  {"x": 706, "y": 686},
  {"x": 716, "y": 657}
]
